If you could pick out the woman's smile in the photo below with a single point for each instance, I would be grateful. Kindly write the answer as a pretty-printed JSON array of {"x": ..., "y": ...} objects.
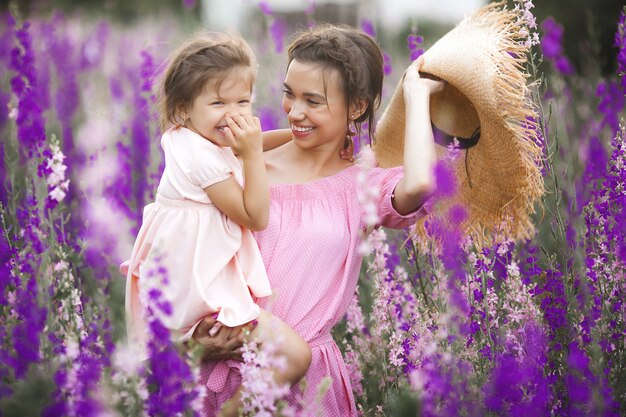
[{"x": 301, "y": 131}]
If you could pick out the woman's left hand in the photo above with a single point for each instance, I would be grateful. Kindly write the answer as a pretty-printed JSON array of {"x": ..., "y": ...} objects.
[
  {"x": 413, "y": 84},
  {"x": 223, "y": 344}
]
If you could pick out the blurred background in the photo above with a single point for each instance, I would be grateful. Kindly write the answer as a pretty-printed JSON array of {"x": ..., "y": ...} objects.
[{"x": 590, "y": 24}]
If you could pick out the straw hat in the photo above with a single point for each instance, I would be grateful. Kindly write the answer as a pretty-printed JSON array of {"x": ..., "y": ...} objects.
[{"x": 485, "y": 105}]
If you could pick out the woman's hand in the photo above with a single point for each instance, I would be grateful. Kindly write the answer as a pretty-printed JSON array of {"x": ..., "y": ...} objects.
[
  {"x": 414, "y": 85},
  {"x": 226, "y": 343}
]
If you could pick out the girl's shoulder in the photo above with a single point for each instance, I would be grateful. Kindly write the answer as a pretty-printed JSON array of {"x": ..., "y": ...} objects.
[{"x": 182, "y": 137}]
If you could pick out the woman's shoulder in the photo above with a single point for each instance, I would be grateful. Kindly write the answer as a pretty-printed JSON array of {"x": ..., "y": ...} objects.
[
  {"x": 278, "y": 158},
  {"x": 277, "y": 153}
]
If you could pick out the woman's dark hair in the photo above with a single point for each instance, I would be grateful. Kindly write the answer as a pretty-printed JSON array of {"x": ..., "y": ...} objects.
[
  {"x": 354, "y": 54},
  {"x": 203, "y": 57}
]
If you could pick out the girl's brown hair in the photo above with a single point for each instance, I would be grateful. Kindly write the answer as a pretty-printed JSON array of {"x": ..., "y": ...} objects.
[
  {"x": 203, "y": 57},
  {"x": 354, "y": 54}
]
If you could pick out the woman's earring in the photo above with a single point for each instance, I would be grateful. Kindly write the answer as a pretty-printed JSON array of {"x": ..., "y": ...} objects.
[{"x": 347, "y": 152}]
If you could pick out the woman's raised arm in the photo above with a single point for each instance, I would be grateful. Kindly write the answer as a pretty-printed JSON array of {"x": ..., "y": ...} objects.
[{"x": 419, "y": 145}]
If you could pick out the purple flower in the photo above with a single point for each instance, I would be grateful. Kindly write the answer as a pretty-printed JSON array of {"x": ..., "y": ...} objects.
[
  {"x": 278, "y": 32},
  {"x": 27, "y": 331},
  {"x": 265, "y": 8},
  {"x": 563, "y": 65},
  {"x": 268, "y": 117},
  {"x": 554, "y": 303},
  {"x": 62, "y": 52},
  {"x": 131, "y": 183},
  {"x": 551, "y": 46},
  {"x": 611, "y": 104},
  {"x": 579, "y": 381},
  {"x": 445, "y": 181},
  {"x": 368, "y": 27},
  {"x": 551, "y": 41},
  {"x": 93, "y": 48},
  {"x": 30, "y": 122},
  {"x": 415, "y": 42},
  {"x": 457, "y": 215},
  {"x": 169, "y": 378},
  {"x": 517, "y": 386},
  {"x": 445, "y": 390},
  {"x": 387, "y": 68},
  {"x": 116, "y": 88},
  {"x": 595, "y": 168}
]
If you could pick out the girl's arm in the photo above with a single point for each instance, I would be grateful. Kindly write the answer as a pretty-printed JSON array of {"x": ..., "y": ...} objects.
[
  {"x": 274, "y": 138},
  {"x": 419, "y": 144},
  {"x": 248, "y": 206}
]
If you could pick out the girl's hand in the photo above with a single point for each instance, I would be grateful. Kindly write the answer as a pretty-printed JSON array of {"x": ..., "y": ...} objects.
[
  {"x": 413, "y": 84},
  {"x": 244, "y": 134},
  {"x": 224, "y": 344}
]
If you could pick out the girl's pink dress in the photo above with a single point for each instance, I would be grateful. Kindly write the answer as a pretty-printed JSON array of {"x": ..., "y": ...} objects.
[
  {"x": 310, "y": 253},
  {"x": 212, "y": 263}
]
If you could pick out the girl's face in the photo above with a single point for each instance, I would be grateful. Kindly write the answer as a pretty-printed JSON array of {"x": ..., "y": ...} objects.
[
  {"x": 316, "y": 107},
  {"x": 208, "y": 111}
]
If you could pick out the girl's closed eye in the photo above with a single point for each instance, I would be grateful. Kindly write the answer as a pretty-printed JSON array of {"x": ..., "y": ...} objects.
[
  {"x": 287, "y": 93},
  {"x": 217, "y": 103}
]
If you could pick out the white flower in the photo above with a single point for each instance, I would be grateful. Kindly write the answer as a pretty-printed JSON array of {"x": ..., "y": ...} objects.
[
  {"x": 416, "y": 380},
  {"x": 57, "y": 194},
  {"x": 512, "y": 269},
  {"x": 367, "y": 195},
  {"x": 126, "y": 358},
  {"x": 11, "y": 297},
  {"x": 61, "y": 266},
  {"x": 71, "y": 348},
  {"x": 57, "y": 184},
  {"x": 54, "y": 179}
]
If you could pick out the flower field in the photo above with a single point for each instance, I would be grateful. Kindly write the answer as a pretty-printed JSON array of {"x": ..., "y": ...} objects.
[{"x": 528, "y": 328}]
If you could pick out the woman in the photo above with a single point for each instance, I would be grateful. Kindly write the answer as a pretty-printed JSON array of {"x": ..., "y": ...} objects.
[{"x": 333, "y": 84}]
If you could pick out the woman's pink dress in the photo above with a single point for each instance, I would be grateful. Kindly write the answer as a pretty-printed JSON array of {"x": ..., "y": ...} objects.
[{"x": 310, "y": 251}]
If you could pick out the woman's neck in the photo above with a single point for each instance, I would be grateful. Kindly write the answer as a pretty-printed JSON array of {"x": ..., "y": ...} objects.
[
  {"x": 319, "y": 157},
  {"x": 302, "y": 165}
]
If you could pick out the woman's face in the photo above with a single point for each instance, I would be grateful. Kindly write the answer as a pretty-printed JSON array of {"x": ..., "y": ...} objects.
[{"x": 315, "y": 104}]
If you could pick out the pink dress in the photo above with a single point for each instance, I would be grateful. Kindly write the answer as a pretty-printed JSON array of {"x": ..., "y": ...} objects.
[
  {"x": 310, "y": 252},
  {"x": 212, "y": 263}
]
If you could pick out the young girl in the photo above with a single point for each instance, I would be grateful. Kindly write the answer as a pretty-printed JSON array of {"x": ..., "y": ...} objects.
[{"x": 199, "y": 226}]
